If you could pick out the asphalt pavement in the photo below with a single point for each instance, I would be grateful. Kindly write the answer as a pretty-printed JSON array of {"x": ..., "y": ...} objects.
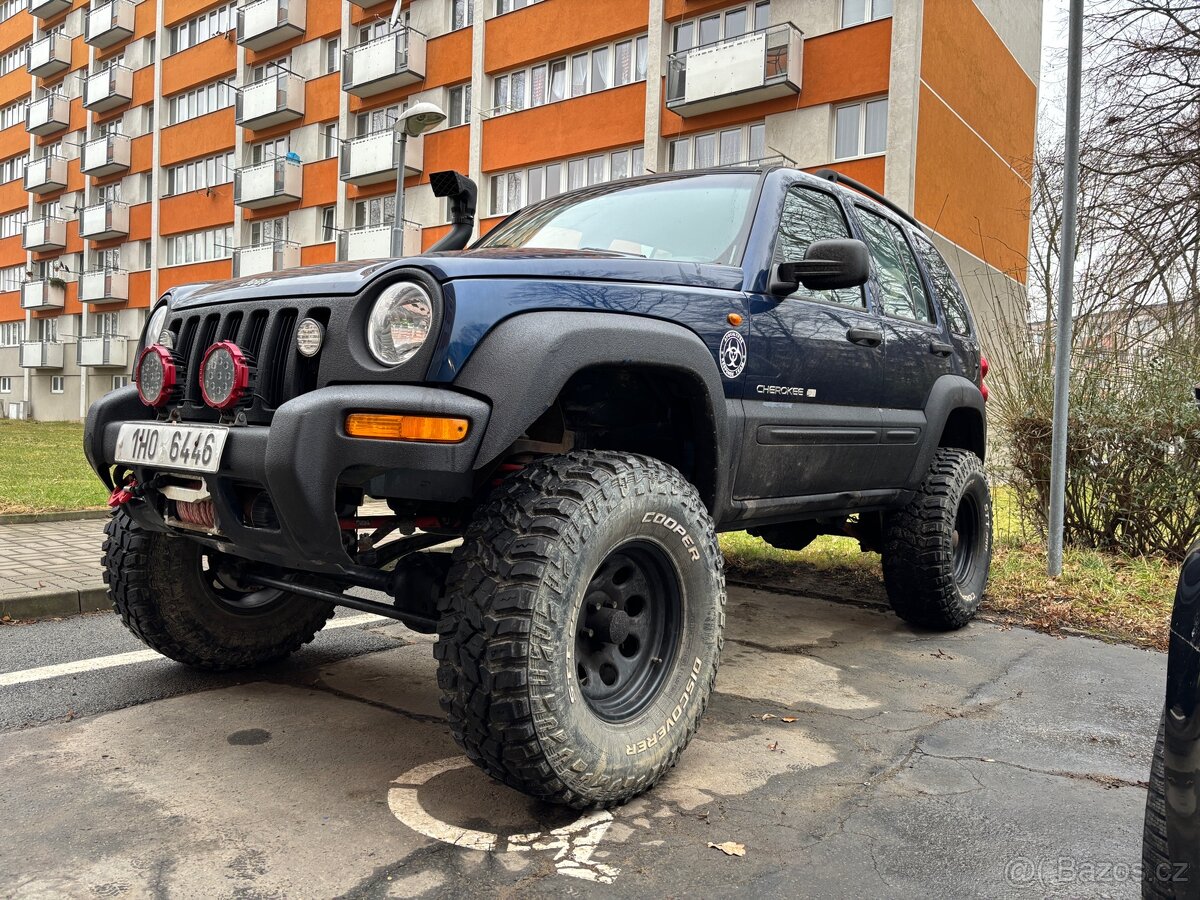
[{"x": 849, "y": 755}]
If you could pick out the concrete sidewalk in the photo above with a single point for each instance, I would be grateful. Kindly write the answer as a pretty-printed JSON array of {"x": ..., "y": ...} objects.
[{"x": 51, "y": 568}]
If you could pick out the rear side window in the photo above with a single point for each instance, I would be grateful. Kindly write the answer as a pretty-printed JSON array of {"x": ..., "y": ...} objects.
[
  {"x": 946, "y": 286},
  {"x": 895, "y": 269},
  {"x": 809, "y": 216}
]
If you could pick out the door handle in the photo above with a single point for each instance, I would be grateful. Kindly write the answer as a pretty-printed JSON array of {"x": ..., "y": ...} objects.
[
  {"x": 940, "y": 348},
  {"x": 866, "y": 337}
]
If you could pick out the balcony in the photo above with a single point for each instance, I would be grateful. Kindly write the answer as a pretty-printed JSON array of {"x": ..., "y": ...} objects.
[
  {"x": 269, "y": 257},
  {"x": 104, "y": 286},
  {"x": 42, "y": 235},
  {"x": 737, "y": 71},
  {"x": 265, "y": 23},
  {"x": 371, "y": 159},
  {"x": 376, "y": 242},
  {"x": 41, "y": 355},
  {"x": 108, "y": 24},
  {"x": 50, "y": 56},
  {"x": 277, "y": 98},
  {"x": 50, "y": 114},
  {"x": 108, "y": 89},
  {"x": 48, "y": 9},
  {"x": 268, "y": 184},
  {"x": 45, "y": 293},
  {"x": 105, "y": 156},
  {"x": 104, "y": 351},
  {"x": 384, "y": 64},
  {"x": 45, "y": 175},
  {"x": 104, "y": 221}
]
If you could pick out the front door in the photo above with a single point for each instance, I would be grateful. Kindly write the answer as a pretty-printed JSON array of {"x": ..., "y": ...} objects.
[{"x": 814, "y": 374}]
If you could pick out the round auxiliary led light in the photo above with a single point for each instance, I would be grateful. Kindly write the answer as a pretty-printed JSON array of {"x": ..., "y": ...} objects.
[
  {"x": 156, "y": 375},
  {"x": 309, "y": 337},
  {"x": 400, "y": 322},
  {"x": 224, "y": 375}
]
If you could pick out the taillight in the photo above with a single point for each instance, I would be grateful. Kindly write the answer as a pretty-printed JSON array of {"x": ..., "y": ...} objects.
[
  {"x": 156, "y": 375},
  {"x": 983, "y": 370}
]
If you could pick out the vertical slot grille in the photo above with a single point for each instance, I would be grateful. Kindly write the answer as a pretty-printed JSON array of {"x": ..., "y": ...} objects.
[{"x": 275, "y": 358}]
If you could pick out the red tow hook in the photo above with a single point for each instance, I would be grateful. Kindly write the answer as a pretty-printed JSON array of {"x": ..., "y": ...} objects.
[{"x": 123, "y": 494}]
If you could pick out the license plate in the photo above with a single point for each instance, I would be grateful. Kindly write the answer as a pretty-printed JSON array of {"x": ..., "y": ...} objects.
[{"x": 193, "y": 448}]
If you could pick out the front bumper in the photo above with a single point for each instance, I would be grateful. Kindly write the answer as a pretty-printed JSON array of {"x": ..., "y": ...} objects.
[{"x": 300, "y": 459}]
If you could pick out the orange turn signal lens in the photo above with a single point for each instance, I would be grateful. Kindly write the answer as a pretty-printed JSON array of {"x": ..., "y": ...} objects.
[{"x": 386, "y": 427}]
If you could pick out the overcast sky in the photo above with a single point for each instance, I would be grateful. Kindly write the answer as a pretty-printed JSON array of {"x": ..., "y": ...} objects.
[{"x": 1054, "y": 75}]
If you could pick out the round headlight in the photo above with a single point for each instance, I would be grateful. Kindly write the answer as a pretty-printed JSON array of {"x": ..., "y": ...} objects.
[
  {"x": 224, "y": 375},
  {"x": 399, "y": 324},
  {"x": 154, "y": 327},
  {"x": 156, "y": 375}
]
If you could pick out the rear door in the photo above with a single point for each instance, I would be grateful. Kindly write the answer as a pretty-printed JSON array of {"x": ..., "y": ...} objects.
[
  {"x": 918, "y": 349},
  {"x": 957, "y": 313},
  {"x": 814, "y": 373}
]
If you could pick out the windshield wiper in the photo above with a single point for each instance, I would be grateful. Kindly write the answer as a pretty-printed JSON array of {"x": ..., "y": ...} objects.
[{"x": 617, "y": 252}]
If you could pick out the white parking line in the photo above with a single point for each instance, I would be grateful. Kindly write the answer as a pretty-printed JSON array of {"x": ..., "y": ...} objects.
[{"x": 79, "y": 666}]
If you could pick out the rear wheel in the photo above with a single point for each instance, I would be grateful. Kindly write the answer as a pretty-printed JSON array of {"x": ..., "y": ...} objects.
[
  {"x": 182, "y": 600},
  {"x": 581, "y": 628}
]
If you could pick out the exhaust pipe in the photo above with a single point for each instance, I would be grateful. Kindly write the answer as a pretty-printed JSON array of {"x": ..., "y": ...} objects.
[{"x": 463, "y": 196}]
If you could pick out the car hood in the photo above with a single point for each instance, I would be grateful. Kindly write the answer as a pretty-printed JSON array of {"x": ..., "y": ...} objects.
[{"x": 348, "y": 278}]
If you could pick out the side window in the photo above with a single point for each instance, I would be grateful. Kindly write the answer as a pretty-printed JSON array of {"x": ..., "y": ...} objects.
[
  {"x": 809, "y": 216},
  {"x": 895, "y": 269},
  {"x": 946, "y": 286}
]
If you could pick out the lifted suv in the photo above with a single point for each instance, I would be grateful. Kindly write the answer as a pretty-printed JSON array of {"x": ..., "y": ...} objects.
[{"x": 585, "y": 398}]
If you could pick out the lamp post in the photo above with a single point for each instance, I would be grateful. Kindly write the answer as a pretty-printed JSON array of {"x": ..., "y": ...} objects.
[{"x": 412, "y": 122}]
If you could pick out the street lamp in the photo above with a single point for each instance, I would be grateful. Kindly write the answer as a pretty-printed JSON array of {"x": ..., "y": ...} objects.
[{"x": 412, "y": 122}]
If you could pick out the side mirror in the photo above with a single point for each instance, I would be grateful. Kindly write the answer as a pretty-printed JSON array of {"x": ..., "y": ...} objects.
[{"x": 827, "y": 266}]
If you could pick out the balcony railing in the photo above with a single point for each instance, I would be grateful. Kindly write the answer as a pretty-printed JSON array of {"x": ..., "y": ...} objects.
[
  {"x": 384, "y": 64},
  {"x": 47, "y": 9},
  {"x": 371, "y": 159},
  {"x": 44, "y": 293},
  {"x": 108, "y": 89},
  {"x": 109, "y": 23},
  {"x": 49, "y": 56},
  {"x": 104, "y": 286},
  {"x": 50, "y": 114},
  {"x": 265, "y": 23},
  {"x": 269, "y": 257},
  {"x": 41, "y": 355},
  {"x": 737, "y": 71},
  {"x": 268, "y": 184},
  {"x": 102, "y": 351},
  {"x": 42, "y": 235},
  {"x": 105, "y": 156},
  {"x": 46, "y": 174},
  {"x": 275, "y": 99},
  {"x": 375, "y": 242},
  {"x": 104, "y": 221}
]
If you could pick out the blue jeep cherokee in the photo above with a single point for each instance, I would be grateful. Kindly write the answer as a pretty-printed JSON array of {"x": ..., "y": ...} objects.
[{"x": 585, "y": 397}]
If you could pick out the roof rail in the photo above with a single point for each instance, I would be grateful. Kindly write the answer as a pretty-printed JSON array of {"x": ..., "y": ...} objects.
[{"x": 839, "y": 178}]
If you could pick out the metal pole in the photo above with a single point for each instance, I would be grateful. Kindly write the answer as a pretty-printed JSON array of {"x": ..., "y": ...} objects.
[
  {"x": 398, "y": 219},
  {"x": 1066, "y": 282}
]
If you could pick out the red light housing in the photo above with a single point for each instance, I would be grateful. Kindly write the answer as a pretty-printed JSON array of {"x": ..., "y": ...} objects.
[
  {"x": 156, "y": 375},
  {"x": 983, "y": 367},
  {"x": 224, "y": 375}
]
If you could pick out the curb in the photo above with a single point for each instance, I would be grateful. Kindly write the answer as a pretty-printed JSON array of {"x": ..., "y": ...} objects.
[
  {"x": 38, "y": 518},
  {"x": 56, "y": 603}
]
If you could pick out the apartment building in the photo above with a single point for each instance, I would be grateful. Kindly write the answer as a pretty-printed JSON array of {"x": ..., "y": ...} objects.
[{"x": 150, "y": 143}]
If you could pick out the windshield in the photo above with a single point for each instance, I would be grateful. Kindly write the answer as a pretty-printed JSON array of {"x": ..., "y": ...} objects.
[{"x": 699, "y": 218}]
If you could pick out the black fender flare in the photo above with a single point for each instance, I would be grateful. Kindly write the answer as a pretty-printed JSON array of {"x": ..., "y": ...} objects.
[
  {"x": 949, "y": 393},
  {"x": 524, "y": 362}
]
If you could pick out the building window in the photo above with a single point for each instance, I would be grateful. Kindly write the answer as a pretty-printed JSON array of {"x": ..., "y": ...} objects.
[
  {"x": 200, "y": 173},
  {"x": 107, "y": 324},
  {"x": 598, "y": 69},
  {"x": 720, "y": 25},
  {"x": 11, "y": 333},
  {"x": 860, "y": 129},
  {"x": 200, "y": 101},
  {"x": 855, "y": 12},
  {"x": 11, "y": 279},
  {"x": 511, "y": 191},
  {"x": 12, "y": 223},
  {"x": 120, "y": 381},
  {"x": 58, "y": 384},
  {"x": 13, "y": 114},
  {"x": 376, "y": 120},
  {"x": 199, "y": 246},
  {"x": 269, "y": 231},
  {"x": 6, "y": 384},
  {"x": 12, "y": 168},
  {"x": 47, "y": 330},
  {"x": 462, "y": 13},
  {"x": 204, "y": 26},
  {"x": 459, "y": 106},
  {"x": 333, "y": 55},
  {"x": 507, "y": 6},
  {"x": 327, "y": 227},
  {"x": 329, "y": 140},
  {"x": 728, "y": 147},
  {"x": 10, "y": 8},
  {"x": 376, "y": 212},
  {"x": 14, "y": 59}
]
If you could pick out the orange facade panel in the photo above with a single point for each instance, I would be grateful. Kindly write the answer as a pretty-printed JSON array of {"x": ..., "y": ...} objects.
[
  {"x": 450, "y": 148},
  {"x": 139, "y": 290},
  {"x": 448, "y": 58},
  {"x": 554, "y": 27},
  {"x": 13, "y": 196},
  {"x": 173, "y": 276},
  {"x": 15, "y": 83},
  {"x": 559, "y": 130},
  {"x": 966, "y": 63},
  {"x": 430, "y": 236},
  {"x": 320, "y": 183},
  {"x": 870, "y": 170},
  {"x": 13, "y": 140},
  {"x": 978, "y": 201},
  {"x": 321, "y": 98},
  {"x": 10, "y": 307},
  {"x": 202, "y": 136},
  {"x": 322, "y": 18},
  {"x": 315, "y": 254},
  {"x": 200, "y": 64},
  {"x": 15, "y": 30},
  {"x": 175, "y": 11},
  {"x": 205, "y": 208},
  {"x": 141, "y": 153},
  {"x": 144, "y": 20}
]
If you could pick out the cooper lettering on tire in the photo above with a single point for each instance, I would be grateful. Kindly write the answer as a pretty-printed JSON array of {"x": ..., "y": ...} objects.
[{"x": 581, "y": 628}]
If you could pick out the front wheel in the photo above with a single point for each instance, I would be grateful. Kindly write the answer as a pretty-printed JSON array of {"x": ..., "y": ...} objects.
[
  {"x": 581, "y": 628},
  {"x": 937, "y": 550}
]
